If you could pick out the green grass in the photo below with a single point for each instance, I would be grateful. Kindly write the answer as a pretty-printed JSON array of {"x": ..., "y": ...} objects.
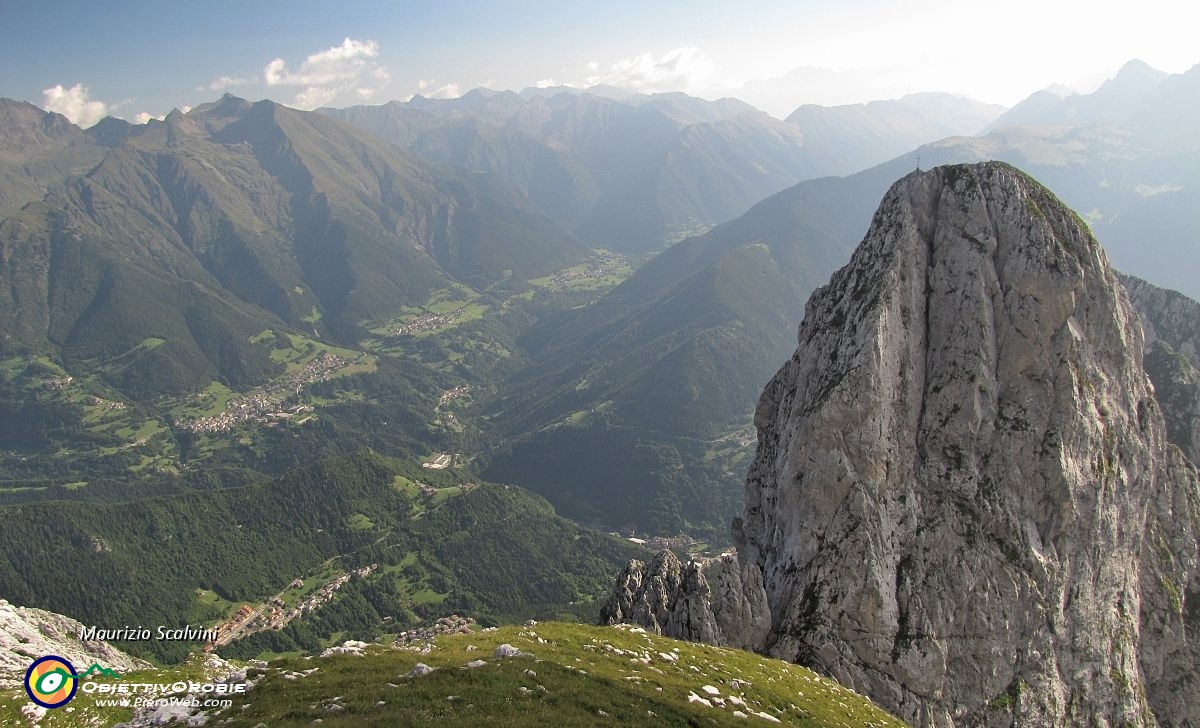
[
  {"x": 360, "y": 522},
  {"x": 450, "y": 299},
  {"x": 428, "y": 596},
  {"x": 608, "y": 270},
  {"x": 123, "y": 360},
  {"x": 444, "y": 494},
  {"x": 303, "y": 350},
  {"x": 314, "y": 581},
  {"x": 209, "y": 402},
  {"x": 209, "y": 607},
  {"x": 457, "y": 299},
  {"x": 575, "y": 676}
]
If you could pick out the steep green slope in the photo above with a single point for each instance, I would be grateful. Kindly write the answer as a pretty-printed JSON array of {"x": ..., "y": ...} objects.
[
  {"x": 294, "y": 213},
  {"x": 496, "y": 552}
]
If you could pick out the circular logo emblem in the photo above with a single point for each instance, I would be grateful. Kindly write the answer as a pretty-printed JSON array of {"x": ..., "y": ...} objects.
[{"x": 50, "y": 682}]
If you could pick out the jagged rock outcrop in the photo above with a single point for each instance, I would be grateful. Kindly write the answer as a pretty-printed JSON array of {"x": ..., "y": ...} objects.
[
  {"x": 27, "y": 634},
  {"x": 704, "y": 601},
  {"x": 963, "y": 503}
]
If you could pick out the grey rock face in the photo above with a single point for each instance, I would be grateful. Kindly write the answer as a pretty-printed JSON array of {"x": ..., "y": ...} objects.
[{"x": 963, "y": 503}]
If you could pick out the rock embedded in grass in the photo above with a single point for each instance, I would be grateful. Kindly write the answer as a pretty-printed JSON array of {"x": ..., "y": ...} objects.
[
  {"x": 420, "y": 670},
  {"x": 506, "y": 651}
]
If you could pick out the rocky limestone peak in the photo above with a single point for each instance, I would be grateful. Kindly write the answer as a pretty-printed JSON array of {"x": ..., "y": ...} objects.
[{"x": 963, "y": 503}]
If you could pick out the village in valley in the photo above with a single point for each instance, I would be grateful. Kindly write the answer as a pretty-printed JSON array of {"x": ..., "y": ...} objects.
[
  {"x": 428, "y": 322},
  {"x": 605, "y": 270},
  {"x": 273, "y": 402},
  {"x": 276, "y": 613}
]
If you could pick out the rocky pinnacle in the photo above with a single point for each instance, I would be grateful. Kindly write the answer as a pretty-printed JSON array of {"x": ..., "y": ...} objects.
[{"x": 963, "y": 503}]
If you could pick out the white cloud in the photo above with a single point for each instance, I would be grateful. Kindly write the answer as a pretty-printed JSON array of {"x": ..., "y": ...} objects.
[
  {"x": 682, "y": 69},
  {"x": 352, "y": 66},
  {"x": 225, "y": 82},
  {"x": 74, "y": 104},
  {"x": 349, "y": 67}
]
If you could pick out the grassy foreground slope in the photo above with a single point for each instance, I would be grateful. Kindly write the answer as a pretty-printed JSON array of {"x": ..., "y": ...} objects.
[{"x": 573, "y": 675}]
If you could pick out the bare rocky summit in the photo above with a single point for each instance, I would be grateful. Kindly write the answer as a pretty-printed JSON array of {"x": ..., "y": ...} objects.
[{"x": 963, "y": 503}]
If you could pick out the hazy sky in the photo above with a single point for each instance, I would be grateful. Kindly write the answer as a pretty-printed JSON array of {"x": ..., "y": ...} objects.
[{"x": 134, "y": 58}]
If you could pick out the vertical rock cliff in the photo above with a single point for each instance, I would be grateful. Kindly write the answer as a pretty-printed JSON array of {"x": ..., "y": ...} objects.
[{"x": 963, "y": 503}]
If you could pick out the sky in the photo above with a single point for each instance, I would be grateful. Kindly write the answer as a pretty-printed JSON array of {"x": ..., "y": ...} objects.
[{"x": 138, "y": 59}]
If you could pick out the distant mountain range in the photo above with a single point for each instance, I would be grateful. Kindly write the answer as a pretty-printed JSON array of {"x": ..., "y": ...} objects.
[
  {"x": 633, "y": 172},
  {"x": 1125, "y": 156},
  {"x": 858, "y": 136}
]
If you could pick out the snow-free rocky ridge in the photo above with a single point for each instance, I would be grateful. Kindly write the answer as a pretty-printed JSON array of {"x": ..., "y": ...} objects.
[{"x": 963, "y": 503}]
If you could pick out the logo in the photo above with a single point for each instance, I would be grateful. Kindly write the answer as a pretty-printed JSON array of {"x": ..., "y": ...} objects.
[{"x": 51, "y": 681}]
